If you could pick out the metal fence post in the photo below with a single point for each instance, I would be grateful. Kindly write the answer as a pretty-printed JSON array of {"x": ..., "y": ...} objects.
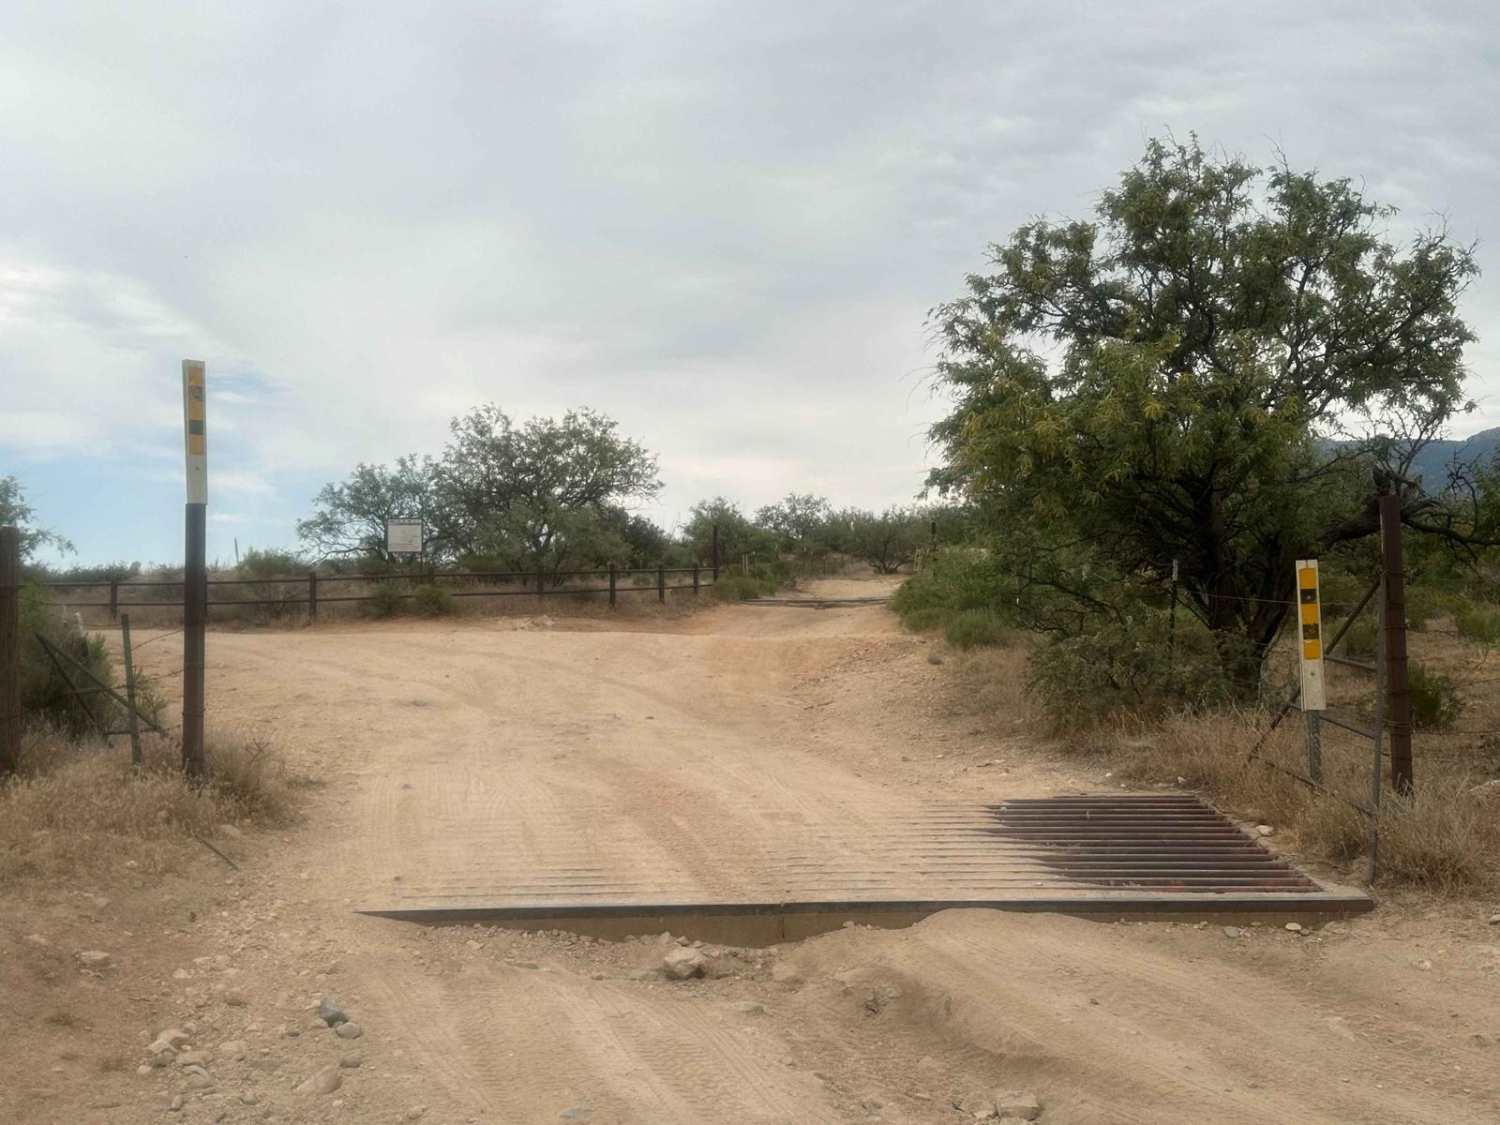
[
  {"x": 1314, "y": 747},
  {"x": 1399, "y": 690},
  {"x": 132, "y": 720},
  {"x": 661, "y": 583},
  {"x": 195, "y": 575},
  {"x": 541, "y": 584},
  {"x": 611, "y": 585},
  {"x": 114, "y": 599},
  {"x": 695, "y": 580},
  {"x": 194, "y": 622},
  {"x": 716, "y": 552},
  {"x": 312, "y": 597},
  {"x": 10, "y": 651}
]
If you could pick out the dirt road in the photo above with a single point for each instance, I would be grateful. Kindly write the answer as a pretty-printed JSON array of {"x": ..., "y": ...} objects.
[{"x": 670, "y": 752}]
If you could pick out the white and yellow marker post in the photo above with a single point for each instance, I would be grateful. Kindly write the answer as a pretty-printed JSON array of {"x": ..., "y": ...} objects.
[
  {"x": 1310, "y": 658},
  {"x": 195, "y": 574}
]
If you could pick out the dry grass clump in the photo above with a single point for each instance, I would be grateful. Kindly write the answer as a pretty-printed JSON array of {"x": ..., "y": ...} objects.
[
  {"x": 76, "y": 807},
  {"x": 1446, "y": 837}
]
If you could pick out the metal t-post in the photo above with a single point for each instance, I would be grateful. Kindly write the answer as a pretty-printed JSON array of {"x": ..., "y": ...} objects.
[
  {"x": 194, "y": 623},
  {"x": 1399, "y": 690},
  {"x": 132, "y": 718},
  {"x": 195, "y": 570}
]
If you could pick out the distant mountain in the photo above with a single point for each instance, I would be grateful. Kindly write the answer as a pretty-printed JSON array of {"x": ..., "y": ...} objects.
[{"x": 1432, "y": 463}]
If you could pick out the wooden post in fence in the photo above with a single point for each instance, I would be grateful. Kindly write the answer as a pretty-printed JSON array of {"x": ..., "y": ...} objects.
[
  {"x": 114, "y": 599},
  {"x": 312, "y": 597},
  {"x": 1398, "y": 684},
  {"x": 611, "y": 585},
  {"x": 10, "y": 650},
  {"x": 541, "y": 584},
  {"x": 716, "y": 552},
  {"x": 661, "y": 583},
  {"x": 132, "y": 719},
  {"x": 695, "y": 580},
  {"x": 195, "y": 577}
]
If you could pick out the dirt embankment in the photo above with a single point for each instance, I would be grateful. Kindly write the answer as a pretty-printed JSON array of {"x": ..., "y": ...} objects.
[{"x": 445, "y": 749}]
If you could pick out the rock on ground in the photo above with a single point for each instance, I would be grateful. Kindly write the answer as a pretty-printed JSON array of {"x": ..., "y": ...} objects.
[
  {"x": 330, "y": 1012},
  {"x": 1020, "y": 1105},
  {"x": 325, "y": 1081},
  {"x": 682, "y": 963}
]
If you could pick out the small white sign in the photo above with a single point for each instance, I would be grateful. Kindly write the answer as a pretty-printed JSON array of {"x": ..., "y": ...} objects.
[{"x": 403, "y": 537}]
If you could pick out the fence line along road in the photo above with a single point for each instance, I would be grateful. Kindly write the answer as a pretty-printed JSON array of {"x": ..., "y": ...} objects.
[{"x": 534, "y": 584}]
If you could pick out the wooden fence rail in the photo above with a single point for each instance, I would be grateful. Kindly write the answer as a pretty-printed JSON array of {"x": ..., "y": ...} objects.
[{"x": 311, "y": 587}]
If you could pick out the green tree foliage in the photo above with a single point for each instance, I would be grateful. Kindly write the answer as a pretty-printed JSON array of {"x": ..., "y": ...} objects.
[
  {"x": 1164, "y": 382},
  {"x": 15, "y": 512},
  {"x": 532, "y": 483},
  {"x": 547, "y": 494},
  {"x": 888, "y": 540},
  {"x": 738, "y": 535},
  {"x": 798, "y": 521},
  {"x": 349, "y": 522}
]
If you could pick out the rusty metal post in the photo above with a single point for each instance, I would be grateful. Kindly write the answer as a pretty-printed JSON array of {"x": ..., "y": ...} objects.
[
  {"x": 1398, "y": 688},
  {"x": 194, "y": 624},
  {"x": 114, "y": 599},
  {"x": 661, "y": 583},
  {"x": 10, "y": 649},
  {"x": 1379, "y": 732},
  {"x": 716, "y": 551},
  {"x": 312, "y": 597},
  {"x": 611, "y": 585},
  {"x": 132, "y": 719}
]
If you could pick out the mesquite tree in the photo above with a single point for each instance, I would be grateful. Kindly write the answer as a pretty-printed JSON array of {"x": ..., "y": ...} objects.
[{"x": 1171, "y": 380}]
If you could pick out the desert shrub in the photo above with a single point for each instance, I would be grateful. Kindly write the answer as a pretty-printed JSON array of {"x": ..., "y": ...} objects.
[
  {"x": 432, "y": 601},
  {"x": 1424, "y": 603},
  {"x": 1129, "y": 668},
  {"x": 46, "y": 699},
  {"x": 385, "y": 601},
  {"x": 1478, "y": 621},
  {"x": 762, "y": 580},
  {"x": 1434, "y": 697},
  {"x": 1361, "y": 637},
  {"x": 922, "y": 618},
  {"x": 277, "y": 599},
  {"x": 249, "y": 778},
  {"x": 101, "y": 574},
  {"x": 741, "y": 587},
  {"x": 955, "y": 580},
  {"x": 971, "y": 627}
]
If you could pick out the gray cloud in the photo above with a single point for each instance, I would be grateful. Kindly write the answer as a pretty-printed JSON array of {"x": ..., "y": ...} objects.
[{"x": 722, "y": 223}]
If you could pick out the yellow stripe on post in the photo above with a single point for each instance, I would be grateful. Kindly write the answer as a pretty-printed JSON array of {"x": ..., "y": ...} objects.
[
  {"x": 195, "y": 429},
  {"x": 1310, "y": 636}
]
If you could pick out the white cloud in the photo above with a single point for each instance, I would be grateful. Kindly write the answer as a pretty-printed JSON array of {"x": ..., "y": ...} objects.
[{"x": 721, "y": 223}]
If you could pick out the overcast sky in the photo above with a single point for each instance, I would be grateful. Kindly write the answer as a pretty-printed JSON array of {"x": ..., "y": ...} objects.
[{"x": 723, "y": 224}]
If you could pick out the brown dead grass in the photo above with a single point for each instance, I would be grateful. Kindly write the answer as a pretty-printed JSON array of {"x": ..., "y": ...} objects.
[
  {"x": 1445, "y": 838},
  {"x": 77, "y": 809}
]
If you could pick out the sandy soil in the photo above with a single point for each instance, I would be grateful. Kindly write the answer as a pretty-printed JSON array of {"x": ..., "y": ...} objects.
[{"x": 677, "y": 745}]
